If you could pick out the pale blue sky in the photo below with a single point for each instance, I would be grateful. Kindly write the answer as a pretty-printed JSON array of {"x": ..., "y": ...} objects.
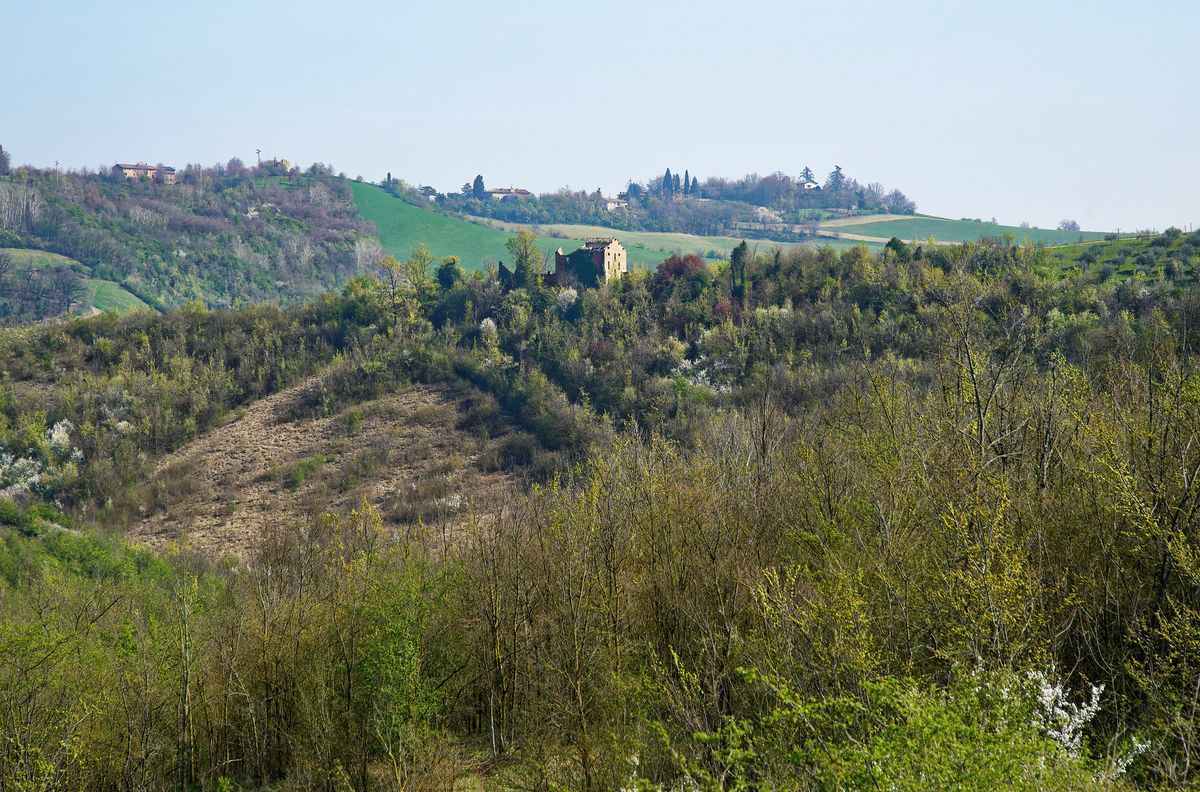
[{"x": 1018, "y": 110}]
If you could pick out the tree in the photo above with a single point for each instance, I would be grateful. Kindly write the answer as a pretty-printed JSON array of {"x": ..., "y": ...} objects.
[
  {"x": 737, "y": 269},
  {"x": 836, "y": 181},
  {"x": 5, "y": 162},
  {"x": 667, "y": 184},
  {"x": 449, "y": 272},
  {"x": 477, "y": 189},
  {"x": 675, "y": 185},
  {"x": 1068, "y": 225},
  {"x": 527, "y": 258},
  {"x": 695, "y": 188},
  {"x": 391, "y": 275},
  {"x": 807, "y": 174},
  {"x": 687, "y": 183}
]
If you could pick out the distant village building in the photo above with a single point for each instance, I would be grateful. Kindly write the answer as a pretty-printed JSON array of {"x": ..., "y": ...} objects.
[
  {"x": 601, "y": 259},
  {"x": 508, "y": 193},
  {"x": 810, "y": 185},
  {"x": 156, "y": 173},
  {"x": 613, "y": 204}
]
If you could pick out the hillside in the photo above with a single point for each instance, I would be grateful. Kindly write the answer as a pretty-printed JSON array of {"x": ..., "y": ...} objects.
[
  {"x": 97, "y": 295},
  {"x": 402, "y": 226},
  {"x": 918, "y": 228},
  {"x": 1170, "y": 254},
  {"x": 266, "y": 468},
  {"x": 761, "y": 502},
  {"x": 223, "y": 236}
]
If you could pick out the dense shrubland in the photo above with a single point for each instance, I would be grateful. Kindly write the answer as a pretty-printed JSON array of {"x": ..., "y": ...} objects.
[{"x": 920, "y": 519}]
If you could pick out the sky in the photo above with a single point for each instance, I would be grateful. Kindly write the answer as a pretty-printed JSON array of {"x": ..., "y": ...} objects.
[{"x": 1021, "y": 111}]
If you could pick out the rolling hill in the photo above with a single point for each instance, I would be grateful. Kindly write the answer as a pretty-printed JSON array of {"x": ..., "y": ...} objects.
[{"x": 402, "y": 226}]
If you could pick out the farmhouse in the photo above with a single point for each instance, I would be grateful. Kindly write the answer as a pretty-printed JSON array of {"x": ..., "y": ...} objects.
[
  {"x": 809, "y": 184},
  {"x": 601, "y": 259},
  {"x": 613, "y": 204},
  {"x": 156, "y": 173},
  {"x": 508, "y": 194}
]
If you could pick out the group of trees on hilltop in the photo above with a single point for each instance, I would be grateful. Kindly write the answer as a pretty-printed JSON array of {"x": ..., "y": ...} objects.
[
  {"x": 785, "y": 193},
  {"x": 672, "y": 202},
  {"x": 669, "y": 186}
]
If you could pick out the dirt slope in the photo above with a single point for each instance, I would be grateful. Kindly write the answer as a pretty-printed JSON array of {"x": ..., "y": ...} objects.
[{"x": 403, "y": 453}]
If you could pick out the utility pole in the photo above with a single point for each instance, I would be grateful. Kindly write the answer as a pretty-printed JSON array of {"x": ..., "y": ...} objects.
[{"x": 258, "y": 154}]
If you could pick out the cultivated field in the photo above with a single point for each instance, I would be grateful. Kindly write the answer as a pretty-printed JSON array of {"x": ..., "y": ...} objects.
[{"x": 921, "y": 227}]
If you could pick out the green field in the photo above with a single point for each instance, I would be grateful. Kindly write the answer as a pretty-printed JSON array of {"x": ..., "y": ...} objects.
[
  {"x": 103, "y": 295},
  {"x": 108, "y": 296},
  {"x": 920, "y": 227},
  {"x": 402, "y": 227},
  {"x": 40, "y": 259}
]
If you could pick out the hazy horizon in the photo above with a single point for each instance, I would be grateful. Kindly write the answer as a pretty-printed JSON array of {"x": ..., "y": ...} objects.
[{"x": 1031, "y": 112}]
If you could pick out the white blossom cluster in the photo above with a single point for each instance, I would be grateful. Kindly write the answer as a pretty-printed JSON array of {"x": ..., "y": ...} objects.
[
  {"x": 59, "y": 436},
  {"x": 699, "y": 372},
  {"x": 487, "y": 327},
  {"x": 1061, "y": 719},
  {"x": 18, "y": 476},
  {"x": 566, "y": 298}
]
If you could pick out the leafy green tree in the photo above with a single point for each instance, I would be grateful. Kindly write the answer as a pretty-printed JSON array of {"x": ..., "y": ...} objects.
[{"x": 527, "y": 258}]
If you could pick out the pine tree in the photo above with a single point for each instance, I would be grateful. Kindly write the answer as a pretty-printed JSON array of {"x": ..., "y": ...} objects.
[{"x": 807, "y": 174}]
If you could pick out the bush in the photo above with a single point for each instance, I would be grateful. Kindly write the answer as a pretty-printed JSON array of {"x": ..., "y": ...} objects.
[{"x": 12, "y": 514}]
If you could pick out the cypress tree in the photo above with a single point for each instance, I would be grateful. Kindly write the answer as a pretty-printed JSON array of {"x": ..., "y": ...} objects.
[
  {"x": 668, "y": 184},
  {"x": 687, "y": 182}
]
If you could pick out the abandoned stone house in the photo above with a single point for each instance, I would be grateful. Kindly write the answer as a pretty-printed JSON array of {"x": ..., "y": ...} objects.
[
  {"x": 601, "y": 259},
  {"x": 155, "y": 173}
]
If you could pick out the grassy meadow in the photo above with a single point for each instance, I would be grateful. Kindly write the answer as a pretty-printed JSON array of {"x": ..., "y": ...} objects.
[{"x": 919, "y": 227}]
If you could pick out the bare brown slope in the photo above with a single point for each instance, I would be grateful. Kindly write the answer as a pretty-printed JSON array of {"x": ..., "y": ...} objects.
[{"x": 402, "y": 453}]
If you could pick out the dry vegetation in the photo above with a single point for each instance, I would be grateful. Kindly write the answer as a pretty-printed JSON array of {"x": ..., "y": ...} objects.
[{"x": 264, "y": 469}]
